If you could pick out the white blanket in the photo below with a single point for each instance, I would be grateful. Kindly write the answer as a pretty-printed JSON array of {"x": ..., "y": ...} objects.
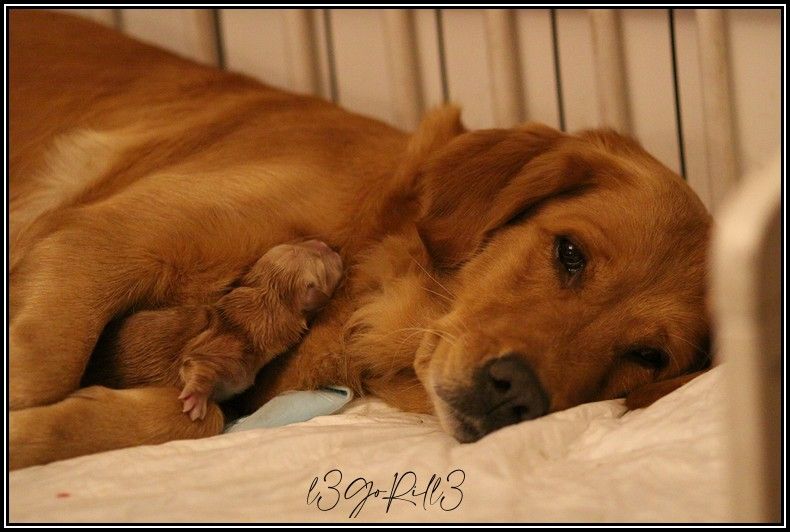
[{"x": 591, "y": 463}]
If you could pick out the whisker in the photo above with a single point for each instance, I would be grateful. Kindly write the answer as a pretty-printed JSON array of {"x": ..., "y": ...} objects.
[
  {"x": 458, "y": 324},
  {"x": 416, "y": 330},
  {"x": 672, "y": 359},
  {"x": 442, "y": 334},
  {"x": 412, "y": 335},
  {"x": 694, "y": 346},
  {"x": 451, "y": 300},
  {"x": 431, "y": 276},
  {"x": 417, "y": 384},
  {"x": 707, "y": 355}
]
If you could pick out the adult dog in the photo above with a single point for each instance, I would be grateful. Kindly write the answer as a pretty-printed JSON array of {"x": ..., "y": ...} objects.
[{"x": 493, "y": 276}]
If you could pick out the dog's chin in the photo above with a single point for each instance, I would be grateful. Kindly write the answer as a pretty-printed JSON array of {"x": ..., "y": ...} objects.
[{"x": 460, "y": 427}]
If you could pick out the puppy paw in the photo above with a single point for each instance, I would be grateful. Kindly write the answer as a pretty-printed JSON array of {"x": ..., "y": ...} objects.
[{"x": 195, "y": 404}]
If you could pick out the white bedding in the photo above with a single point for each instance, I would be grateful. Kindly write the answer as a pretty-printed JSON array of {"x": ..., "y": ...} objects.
[{"x": 589, "y": 464}]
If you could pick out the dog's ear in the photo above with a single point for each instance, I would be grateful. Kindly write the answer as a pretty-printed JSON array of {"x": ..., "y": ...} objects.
[
  {"x": 436, "y": 129},
  {"x": 241, "y": 304},
  {"x": 648, "y": 394},
  {"x": 312, "y": 299},
  {"x": 481, "y": 180},
  {"x": 401, "y": 200}
]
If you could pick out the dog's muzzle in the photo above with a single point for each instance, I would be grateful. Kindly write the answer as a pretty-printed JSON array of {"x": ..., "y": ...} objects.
[{"x": 504, "y": 391}]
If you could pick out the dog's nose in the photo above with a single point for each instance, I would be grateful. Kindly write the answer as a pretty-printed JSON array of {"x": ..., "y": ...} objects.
[{"x": 511, "y": 392}]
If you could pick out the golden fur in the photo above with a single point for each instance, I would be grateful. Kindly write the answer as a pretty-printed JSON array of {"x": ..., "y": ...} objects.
[{"x": 141, "y": 181}]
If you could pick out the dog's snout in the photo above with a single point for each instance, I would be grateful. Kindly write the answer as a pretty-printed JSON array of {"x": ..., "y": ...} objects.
[{"x": 511, "y": 391}]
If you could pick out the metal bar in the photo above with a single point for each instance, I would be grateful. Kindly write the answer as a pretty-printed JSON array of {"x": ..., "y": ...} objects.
[
  {"x": 610, "y": 69},
  {"x": 330, "y": 55},
  {"x": 219, "y": 38},
  {"x": 200, "y": 29},
  {"x": 405, "y": 71},
  {"x": 676, "y": 87},
  {"x": 117, "y": 19},
  {"x": 442, "y": 56},
  {"x": 555, "y": 48},
  {"x": 720, "y": 139},
  {"x": 503, "y": 61},
  {"x": 304, "y": 59}
]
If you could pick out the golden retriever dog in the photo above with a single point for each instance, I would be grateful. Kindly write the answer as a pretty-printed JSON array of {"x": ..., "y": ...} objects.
[{"x": 493, "y": 276}]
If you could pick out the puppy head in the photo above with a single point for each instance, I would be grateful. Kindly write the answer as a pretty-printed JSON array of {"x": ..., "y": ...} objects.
[
  {"x": 303, "y": 275},
  {"x": 280, "y": 291},
  {"x": 578, "y": 269}
]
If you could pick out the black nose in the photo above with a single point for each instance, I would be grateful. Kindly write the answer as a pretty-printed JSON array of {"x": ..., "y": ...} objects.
[{"x": 510, "y": 391}]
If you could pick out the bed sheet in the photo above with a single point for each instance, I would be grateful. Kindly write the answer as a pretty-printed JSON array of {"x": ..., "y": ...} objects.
[{"x": 372, "y": 463}]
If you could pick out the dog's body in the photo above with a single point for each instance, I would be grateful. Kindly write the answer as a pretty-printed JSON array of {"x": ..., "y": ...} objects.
[{"x": 141, "y": 181}]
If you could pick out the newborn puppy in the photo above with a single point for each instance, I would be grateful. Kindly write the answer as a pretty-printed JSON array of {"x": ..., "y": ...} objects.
[{"x": 214, "y": 351}]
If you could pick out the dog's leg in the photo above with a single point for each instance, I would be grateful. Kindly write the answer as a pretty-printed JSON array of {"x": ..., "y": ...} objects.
[
  {"x": 99, "y": 419},
  {"x": 62, "y": 293}
]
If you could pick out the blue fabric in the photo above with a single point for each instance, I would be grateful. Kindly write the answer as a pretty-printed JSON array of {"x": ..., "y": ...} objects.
[{"x": 294, "y": 407}]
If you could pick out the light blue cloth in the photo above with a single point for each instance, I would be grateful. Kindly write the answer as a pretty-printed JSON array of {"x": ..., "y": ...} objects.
[{"x": 294, "y": 407}]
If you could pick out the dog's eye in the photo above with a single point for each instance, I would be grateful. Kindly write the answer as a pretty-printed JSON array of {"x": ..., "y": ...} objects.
[
  {"x": 569, "y": 255},
  {"x": 648, "y": 357}
]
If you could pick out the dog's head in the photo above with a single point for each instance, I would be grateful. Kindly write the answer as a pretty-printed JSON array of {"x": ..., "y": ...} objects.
[{"x": 577, "y": 267}]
